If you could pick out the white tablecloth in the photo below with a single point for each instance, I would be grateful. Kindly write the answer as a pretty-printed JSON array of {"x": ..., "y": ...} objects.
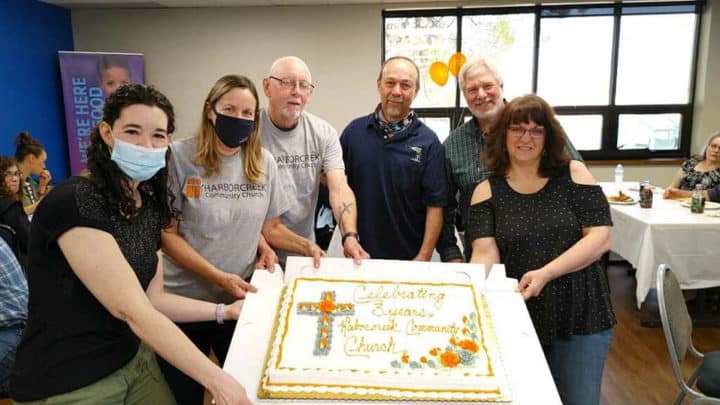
[
  {"x": 529, "y": 375},
  {"x": 666, "y": 233}
]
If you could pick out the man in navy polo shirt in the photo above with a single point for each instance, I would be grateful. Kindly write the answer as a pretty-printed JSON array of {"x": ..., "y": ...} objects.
[{"x": 396, "y": 167}]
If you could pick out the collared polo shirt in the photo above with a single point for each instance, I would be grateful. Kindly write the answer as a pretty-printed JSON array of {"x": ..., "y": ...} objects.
[{"x": 394, "y": 180}]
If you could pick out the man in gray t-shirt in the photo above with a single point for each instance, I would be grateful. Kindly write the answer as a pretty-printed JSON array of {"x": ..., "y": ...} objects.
[{"x": 305, "y": 148}]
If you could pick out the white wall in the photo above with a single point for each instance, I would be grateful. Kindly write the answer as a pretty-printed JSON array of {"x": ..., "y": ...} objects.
[{"x": 186, "y": 50}]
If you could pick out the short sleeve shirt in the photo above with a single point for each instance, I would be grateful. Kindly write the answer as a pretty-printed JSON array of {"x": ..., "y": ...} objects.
[
  {"x": 531, "y": 230},
  {"x": 221, "y": 217},
  {"x": 71, "y": 340}
]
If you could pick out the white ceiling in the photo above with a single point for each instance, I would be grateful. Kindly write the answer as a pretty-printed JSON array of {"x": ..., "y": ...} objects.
[{"x": 213, "y": 3}]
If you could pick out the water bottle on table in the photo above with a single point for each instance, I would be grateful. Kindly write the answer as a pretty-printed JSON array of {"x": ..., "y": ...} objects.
[
  {"x": 697, "y": 201},
  {"x": 619, "y": 176}
]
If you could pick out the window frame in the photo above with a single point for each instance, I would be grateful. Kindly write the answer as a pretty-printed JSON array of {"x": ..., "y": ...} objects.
[{"x": 609, "y": 112}]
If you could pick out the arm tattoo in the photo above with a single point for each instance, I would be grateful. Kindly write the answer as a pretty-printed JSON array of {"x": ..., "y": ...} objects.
[{"x": 345, "y": 209}]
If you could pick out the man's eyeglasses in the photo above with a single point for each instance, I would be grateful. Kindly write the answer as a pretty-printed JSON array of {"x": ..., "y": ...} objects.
[
  {"x": 303, "y": 85},
  {"x": 518, "y": 131},
  {"x": 16, "y": 173}
]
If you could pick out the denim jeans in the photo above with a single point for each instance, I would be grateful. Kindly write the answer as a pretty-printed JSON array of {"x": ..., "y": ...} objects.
[
  {"x": 9, "y": 341},
  {"x": 576, "y": 364}
]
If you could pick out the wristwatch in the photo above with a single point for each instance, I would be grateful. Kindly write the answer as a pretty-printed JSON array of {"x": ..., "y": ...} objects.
[{"x": 350, "y": 235}]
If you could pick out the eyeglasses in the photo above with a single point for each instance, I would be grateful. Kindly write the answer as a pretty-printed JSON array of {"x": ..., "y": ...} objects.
[
  {"x": 302, "y": 85},
  {"x": 518, "y": 131},
  {"x": 12, "y": 174}
]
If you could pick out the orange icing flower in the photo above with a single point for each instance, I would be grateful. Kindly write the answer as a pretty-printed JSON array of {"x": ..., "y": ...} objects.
[
  {"x": 329, "y": 295},
  {"x": 405, "y": 358},
  {"x": 323, "y": 331},
  {"x": 465, "y": 319},
  {"x": 433, "y": 352},
  {"x": 327, "y": 306},
  {"x": 323, "y": 343},
  {"x": 326, "y": 319},
  {"x": 469, "y": 345},
  {"x": 423, "y": 359},
  {"x": 450, "y": 359},
  {"x": 452, "y": 340},
  {"x": 465, "y": 331}
]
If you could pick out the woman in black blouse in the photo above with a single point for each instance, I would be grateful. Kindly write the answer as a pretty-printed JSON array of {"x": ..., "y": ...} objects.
[
  {"x": 544, "y": 217},
  {"x": 96, "y": 278}
]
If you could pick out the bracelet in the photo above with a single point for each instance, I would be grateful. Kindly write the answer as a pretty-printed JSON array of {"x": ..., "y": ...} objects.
[
  {"x": 220, "y": 313},
  {"x": 350, "y": 235}
]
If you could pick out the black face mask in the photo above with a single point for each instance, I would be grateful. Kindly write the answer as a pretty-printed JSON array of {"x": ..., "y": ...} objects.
[{"x": 232, "y": 131}]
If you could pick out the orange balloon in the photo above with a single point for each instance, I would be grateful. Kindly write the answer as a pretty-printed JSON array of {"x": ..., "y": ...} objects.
[
  {"x": 439, "y": 73},
  {"x": 455, "y": 63}
]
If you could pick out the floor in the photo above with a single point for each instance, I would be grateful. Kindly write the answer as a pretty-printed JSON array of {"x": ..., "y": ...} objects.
[{"x": 638, "y": 369}]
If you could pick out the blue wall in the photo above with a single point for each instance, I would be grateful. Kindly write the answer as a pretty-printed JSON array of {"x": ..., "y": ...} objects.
[{"x": 31, "y": 33}]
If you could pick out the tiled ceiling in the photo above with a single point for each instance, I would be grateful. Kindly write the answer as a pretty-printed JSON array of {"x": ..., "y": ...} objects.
[{"x": 213, "y": 3}]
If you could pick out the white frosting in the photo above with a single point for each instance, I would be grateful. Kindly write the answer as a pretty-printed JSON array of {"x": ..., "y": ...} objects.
[{"x": 387, "y": 346}]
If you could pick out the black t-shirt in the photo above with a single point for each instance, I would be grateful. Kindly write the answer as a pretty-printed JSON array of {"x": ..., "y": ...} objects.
[
  {"x": 71, "y": 340},
  {"x": 532, "y": 230}
]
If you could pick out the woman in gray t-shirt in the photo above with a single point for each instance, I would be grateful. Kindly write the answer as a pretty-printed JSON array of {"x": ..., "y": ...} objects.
[{"x": 229, "y": 201}]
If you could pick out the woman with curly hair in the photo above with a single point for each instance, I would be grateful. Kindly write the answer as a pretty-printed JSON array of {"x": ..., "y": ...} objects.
[
  {"x": 11, "y": 209},
  {"x": 545, "y": 218},
  {"x": 97, "y": 308},
  {"x": 30, "y": 156}
]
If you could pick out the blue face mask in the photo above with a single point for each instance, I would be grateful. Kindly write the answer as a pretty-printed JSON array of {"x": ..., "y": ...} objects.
[
  {"x": 137, "y": 162},
  {"x": 233, "y": 131}
]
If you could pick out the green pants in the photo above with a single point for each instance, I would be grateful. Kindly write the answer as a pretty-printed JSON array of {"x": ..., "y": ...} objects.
[{"x": 138, "y": 382}]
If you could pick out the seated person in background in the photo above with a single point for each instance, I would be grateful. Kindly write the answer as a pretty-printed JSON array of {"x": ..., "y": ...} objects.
[
  {"x": 700, "y": 169},
  {"x": 98, "y": 310},
  {"x": 13, "y": 312},
  {"x": 31, "y": 157},
  {"x": 11, "y": 210},
  {"x": 545, "y": 218}
]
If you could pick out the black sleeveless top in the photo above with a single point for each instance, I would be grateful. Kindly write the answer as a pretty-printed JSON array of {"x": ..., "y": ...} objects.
[{"x": 531, "y": 230}]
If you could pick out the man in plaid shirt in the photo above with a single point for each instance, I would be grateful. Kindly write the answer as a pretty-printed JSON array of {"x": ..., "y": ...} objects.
[
  {"x": 13, "y": 312},
  {"x": 482, "y": 87}
]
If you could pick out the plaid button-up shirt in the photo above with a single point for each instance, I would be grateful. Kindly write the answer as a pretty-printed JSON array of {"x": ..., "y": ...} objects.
[{"x": 13, "y": 289}]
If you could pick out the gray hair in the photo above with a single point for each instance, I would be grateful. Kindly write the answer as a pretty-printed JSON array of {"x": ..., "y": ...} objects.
[
  {"x": 711, "y": 138},
  {"x": 405, "y": 58},
  {"x": 479, "y": 63}
]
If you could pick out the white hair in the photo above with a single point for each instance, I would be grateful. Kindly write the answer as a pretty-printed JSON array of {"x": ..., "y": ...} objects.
[{"x": 479, "y": 63}]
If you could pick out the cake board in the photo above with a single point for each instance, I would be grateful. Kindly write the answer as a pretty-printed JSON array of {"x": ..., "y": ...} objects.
[{"x": 525, "y": 365}]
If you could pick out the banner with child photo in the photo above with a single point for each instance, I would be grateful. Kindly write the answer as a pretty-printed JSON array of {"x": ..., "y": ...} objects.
[{"x": 88, "y": 78}]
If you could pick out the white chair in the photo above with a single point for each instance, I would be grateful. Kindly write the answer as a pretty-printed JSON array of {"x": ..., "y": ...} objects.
[{"x": 677, "y": 326}]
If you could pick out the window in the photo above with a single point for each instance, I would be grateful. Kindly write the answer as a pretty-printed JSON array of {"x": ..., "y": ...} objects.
[{"x": 620, "y": 76}]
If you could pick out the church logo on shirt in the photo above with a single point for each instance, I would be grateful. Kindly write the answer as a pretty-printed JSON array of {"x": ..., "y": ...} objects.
[
  {"x": 193, "y": 187},
  {"x": 418, "y": 153},
  {"x": 299, "y": 161}
]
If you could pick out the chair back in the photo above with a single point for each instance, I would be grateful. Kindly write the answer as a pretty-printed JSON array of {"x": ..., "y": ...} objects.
[
  {"x": 706, "y": 401},
  {"x": 676, "y": 320}
]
